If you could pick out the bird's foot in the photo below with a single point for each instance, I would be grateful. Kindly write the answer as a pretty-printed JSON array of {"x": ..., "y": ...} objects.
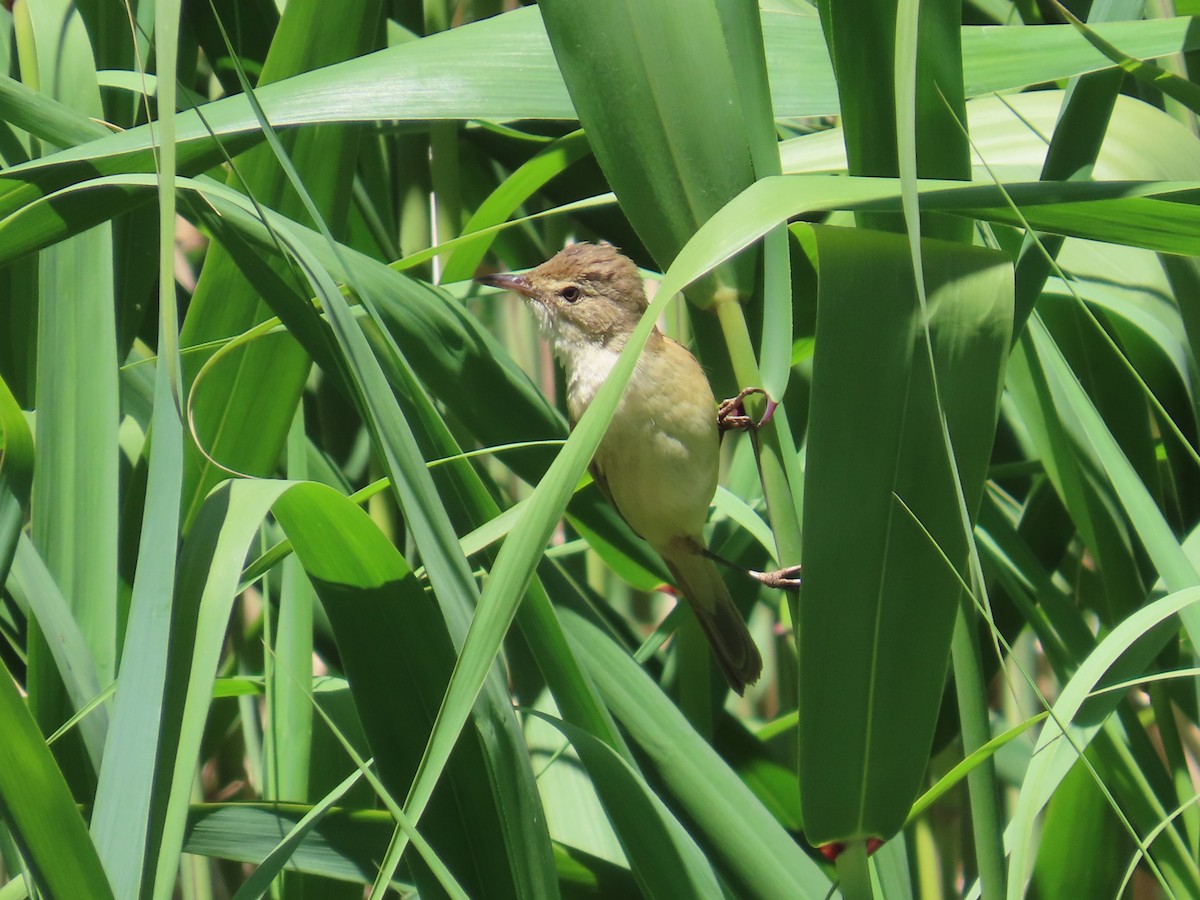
[
  {"x": 732, "y": 412},
  {"x": 786, "y": 579}
]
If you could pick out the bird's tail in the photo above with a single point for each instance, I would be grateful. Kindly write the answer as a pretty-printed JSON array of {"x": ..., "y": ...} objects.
[{"x": 700, "y": 581}]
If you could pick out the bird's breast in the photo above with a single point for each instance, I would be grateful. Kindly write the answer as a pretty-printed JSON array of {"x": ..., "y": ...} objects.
[{"x": 587, "y": 366}]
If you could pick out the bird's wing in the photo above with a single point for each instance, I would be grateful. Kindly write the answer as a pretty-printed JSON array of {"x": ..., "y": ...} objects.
[{"x": 602, "y": 483}]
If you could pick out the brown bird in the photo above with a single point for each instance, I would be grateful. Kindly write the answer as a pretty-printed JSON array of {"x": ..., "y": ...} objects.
[{"x": 657, "y": 463}]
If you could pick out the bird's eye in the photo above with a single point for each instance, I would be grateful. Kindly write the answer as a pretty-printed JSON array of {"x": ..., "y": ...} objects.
[{"x": 570, "y": 293}]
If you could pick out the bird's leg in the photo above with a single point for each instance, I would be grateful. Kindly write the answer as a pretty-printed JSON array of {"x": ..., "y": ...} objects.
[
  {"x": 731, "y": 413},
  {"x": 785, "y": 579}
]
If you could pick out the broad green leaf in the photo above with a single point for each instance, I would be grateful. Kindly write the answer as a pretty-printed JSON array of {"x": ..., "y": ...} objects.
[
  {"x": 75, "y": 493},
  {"x": 879, "y": 599},
  {"x": 669, "y": 167},
  {"x": 345, "y": 844},
  {"x": 421, "y": 80}
]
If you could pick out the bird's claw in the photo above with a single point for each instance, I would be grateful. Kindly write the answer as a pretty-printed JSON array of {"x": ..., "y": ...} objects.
[
  {"x": 732, "y": 412},
  {"x": 786, "y": 579}
]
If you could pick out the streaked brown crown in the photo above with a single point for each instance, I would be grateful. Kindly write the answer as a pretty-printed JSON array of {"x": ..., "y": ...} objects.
[{"x": 597, "y": 268}]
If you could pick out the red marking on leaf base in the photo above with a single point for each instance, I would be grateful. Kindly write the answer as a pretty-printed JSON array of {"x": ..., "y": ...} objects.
[{"x": 833, "y": 849}]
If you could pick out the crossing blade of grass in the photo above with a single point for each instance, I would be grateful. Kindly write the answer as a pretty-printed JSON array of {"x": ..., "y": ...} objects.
[
  {"x": 1054, "y": 756},
  {"x": 960, "y": 771},
  {"x": 398, "y": 653},
  {"x": 38, "y": 808},
  {"x": 752, "y": 852},
  {"x": 1172, "y": 85},
  {"x": 35, "y": 591},
  {"x": 265, "y": 384},
  {"x": 453, "y": 582},
  {"x": 260, "y": 882},
  {"x": 16, "y": 475},
  {"x": 343, "y": 845},
  {"x": 514, "y": 191},
  {"x": 665, "y": 859}
]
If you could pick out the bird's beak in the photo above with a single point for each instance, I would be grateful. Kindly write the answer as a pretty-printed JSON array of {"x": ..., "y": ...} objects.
[{"x": 518, "y": 284}]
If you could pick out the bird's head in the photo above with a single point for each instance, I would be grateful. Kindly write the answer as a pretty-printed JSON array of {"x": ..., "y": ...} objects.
[{"x": 587, "y": 292}]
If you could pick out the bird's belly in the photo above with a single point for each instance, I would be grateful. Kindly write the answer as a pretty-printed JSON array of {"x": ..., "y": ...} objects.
[
  {"x": 660, "y": 463},
  {"x": 660, "y": 455},
  {"x": 662, "y": 490}
]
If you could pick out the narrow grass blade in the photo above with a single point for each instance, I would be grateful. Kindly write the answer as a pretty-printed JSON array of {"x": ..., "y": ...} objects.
[{"x": 125, "y": 799}]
